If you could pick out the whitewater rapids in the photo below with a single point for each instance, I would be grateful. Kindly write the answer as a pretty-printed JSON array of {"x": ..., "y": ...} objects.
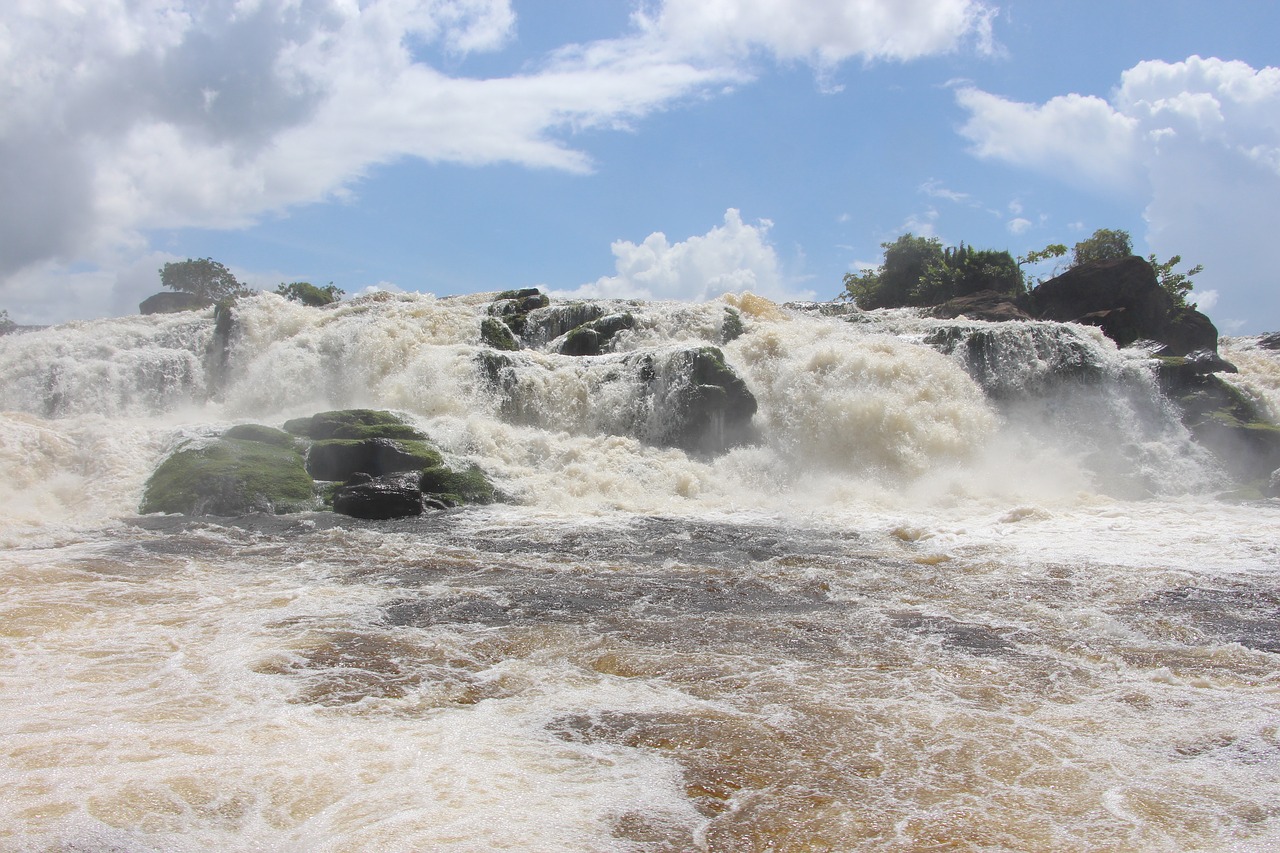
[{"x": 932, "y": 608}]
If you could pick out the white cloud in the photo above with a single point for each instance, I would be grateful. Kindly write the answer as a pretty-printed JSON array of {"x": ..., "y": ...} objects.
[
  {"x": 121, "y": 117},
  {"x": 822, "y": 32},
  {"x": 1018, "y": 225},
  {"x": 1197, "y": 142},
  {"x": 730, "y": 258}
]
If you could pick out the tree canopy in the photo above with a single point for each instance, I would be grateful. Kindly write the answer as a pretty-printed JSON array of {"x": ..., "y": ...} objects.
[
  {"x": 919, "y": 271},
  {"x": 308, "y": 294},
  {"x": 203, "y": 277},
  {"x": 6, "y": 325},
  {"x": 1105, "y": 244}
]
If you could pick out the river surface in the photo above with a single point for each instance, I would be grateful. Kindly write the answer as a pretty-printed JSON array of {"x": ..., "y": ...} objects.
[{"x": 933, "y": 607}]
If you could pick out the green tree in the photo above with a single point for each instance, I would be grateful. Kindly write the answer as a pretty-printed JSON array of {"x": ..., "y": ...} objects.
[
  {"x": 204, "y": 277},
  {"x": 1104, "y": 245},
  {"x": 918, "y": 271},
  {"x": 1176, "y": 284},
  {"x": 6, "y": 325},
  {"x": 308, "y": 294}
]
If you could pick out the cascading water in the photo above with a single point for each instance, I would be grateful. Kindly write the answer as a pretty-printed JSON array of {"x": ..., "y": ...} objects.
[{"x": 912, "y": 584}]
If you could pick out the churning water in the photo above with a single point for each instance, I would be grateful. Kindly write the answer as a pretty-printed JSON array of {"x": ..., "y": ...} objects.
[{"x": 955, "y": 596}]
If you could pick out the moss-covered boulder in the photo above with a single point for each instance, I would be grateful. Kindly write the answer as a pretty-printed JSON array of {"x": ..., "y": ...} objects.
[
  {"x": 594, "y": 337},
  {"x": 512, "y": 307},
  {"x": 263, "y": 434},
  {"x": 457, "y": 487},
  {"x": 230, "y": 477},
  {"x": 495, "y": 333},
  {"x": 353, "y": 424}
]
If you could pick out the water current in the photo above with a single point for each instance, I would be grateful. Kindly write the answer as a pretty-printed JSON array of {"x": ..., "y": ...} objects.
[{"x": 950, "y": 597}]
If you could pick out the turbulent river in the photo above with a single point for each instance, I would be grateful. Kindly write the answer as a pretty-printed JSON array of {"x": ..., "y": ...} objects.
[{"x": 934, "y": 605}]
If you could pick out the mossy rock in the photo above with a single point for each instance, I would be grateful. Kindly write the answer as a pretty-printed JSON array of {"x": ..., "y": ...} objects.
[
  {"x": 731, "y": 327},
  {"x": 458, "y": 487},
  {"x": 338, "y": 459},
  {"x": 262, "y": 434},
  {"x": 353, "y": 424},
  {"x": 494, "y": 333},
  {"x": 230, "y": 477}
]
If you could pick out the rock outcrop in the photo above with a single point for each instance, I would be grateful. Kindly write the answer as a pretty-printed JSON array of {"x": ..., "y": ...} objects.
[
  {"x": 1124, "y": 299},
  {"x": 171, "y": 302},
  {"x": 983, "y": 305}
]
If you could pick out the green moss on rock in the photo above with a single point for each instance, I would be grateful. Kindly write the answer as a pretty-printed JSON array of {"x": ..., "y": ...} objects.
[
  {"x": 494, "y": 333},
  {"x": 230, "y": 477},
  {"x": 353, "y": 424},
  {"x": 262, "y": 434},
  {"x": 458, "y": 487},
  {"x": 338, "y": 459}
]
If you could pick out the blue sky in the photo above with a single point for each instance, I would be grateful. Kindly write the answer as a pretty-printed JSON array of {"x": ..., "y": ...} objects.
[{"x": 614, "y": 148}]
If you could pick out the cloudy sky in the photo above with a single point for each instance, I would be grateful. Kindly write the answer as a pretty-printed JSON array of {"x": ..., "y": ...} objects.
[{"x": 659, "y": 149}]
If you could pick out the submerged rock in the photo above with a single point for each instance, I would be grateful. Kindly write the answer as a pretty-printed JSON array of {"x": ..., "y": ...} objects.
[
  {"x": 594, "y": 338},
  {"x": 495, "y": 333}
]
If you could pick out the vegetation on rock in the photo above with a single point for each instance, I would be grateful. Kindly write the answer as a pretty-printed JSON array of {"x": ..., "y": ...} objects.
[
  {"x": 204, "y": 278},
  {"x": 353, "y": 424},
  {"x": 308, "y": 294},
  {"x": 6, "y": 325},
  {"x": 919, "y": 271}
]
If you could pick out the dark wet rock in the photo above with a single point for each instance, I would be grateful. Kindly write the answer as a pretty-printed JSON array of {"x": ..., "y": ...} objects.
[
  {"x": 983, "y": 305},
  {"x": 1016, "y": 361},
  {"x": 172, "y": 302},
  {"x": 594, "y": 338},
  {"x": 512, "y": 307},
  {"x": 229, "y": 477},
  {"x": 495, "y": 334},
  {"x": 700, "y": 403},
  {"x": 546, "y": 324},
  {"x": 395, "y": 495},
  {"x": 1224, "y": 420},
  {"x": 1271, "y": 341},
  {"x": 1125, "y": 300},
  {"x": 339, "y": 459}
]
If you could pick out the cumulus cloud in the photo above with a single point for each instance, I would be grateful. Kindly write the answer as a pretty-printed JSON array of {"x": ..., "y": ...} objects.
[
  {"x": 120, "y": 118},
  {"x": 822, "y": 32},
  {"x": 730, "y": 258},
  {"x": 1196, "y": 142}
]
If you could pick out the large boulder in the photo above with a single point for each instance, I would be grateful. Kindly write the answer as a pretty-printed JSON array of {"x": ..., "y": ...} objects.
[
  {"x": 700, "y": 403},
  {"x": 1124, "y": 299},
  {"x": 171, "y": 302},
  {"x": 229, "y": 477}
]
